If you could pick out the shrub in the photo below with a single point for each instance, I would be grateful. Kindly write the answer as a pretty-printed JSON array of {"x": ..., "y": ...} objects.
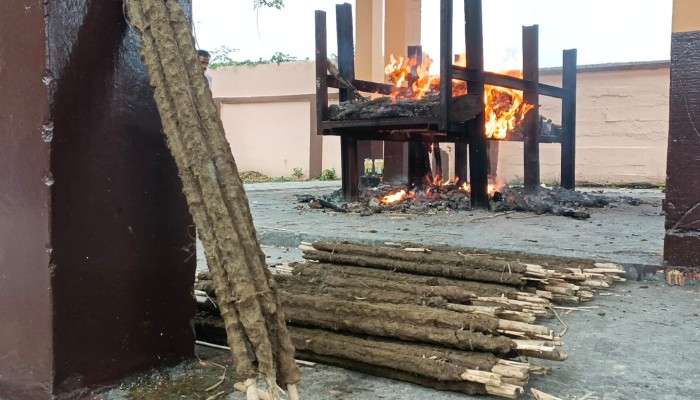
[{"x": 328, "y": 175}]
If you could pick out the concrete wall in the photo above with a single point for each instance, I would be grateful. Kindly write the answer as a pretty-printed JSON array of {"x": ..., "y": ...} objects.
[
  {"x": 622, "y": 123},
  {"x": 621, "y": 132},
  {"x": 266, "y": 110}
]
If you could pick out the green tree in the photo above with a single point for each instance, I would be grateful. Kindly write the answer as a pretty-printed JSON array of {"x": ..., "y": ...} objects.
[{"x": 278, "y": 4}]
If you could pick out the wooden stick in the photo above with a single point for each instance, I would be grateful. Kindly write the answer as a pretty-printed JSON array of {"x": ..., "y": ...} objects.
[
  {"x": 487, "y": 378},
  {"x": 293, "y": 392},
  {"x": 539, "y": 395},
  {"x": 505, "y": 390},
  {"x": 523, "y": 327},
  {"x": 251, "y": 389}
]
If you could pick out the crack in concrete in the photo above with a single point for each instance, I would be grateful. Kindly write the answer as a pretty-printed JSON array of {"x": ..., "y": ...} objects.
[
  {"x": 691, "y": 118},
  {"x": 691, "y": 210}
]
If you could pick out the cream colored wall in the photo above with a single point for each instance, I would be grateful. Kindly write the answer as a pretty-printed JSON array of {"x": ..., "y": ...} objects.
[
  {"x": 622, "y": 124},
  {"x": 621, "y": 132},
  {"x": 272, "y": 138},
  {"x": 685, "y": 16},
  {"x": 264, "y": 80}
]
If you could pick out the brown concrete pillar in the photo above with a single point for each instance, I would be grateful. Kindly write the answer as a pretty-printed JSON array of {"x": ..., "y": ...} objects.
[
  {"x": 96, "y": 245},
  {"x": 682, "y": 245}
]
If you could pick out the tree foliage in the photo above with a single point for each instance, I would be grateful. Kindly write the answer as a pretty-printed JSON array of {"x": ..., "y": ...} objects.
[
  {"x": 223, "y": 57},
  {"x": 278, "y": 4}
]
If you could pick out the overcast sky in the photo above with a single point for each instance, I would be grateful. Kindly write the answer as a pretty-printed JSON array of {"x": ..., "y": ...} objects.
[{"x": 603, "y": 31}]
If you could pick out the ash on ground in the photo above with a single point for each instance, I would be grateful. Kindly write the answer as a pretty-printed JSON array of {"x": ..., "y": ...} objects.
[{"x": 453, "y": 198}]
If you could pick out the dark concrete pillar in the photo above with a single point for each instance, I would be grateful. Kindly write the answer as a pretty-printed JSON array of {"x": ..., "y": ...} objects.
[
  {"x": 96, "y": 244},
  {"x": 395, "y": 162},
  {"x": 682, "y": 245}
]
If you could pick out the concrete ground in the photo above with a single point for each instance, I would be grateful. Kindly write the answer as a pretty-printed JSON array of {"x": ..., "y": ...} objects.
[
  {"x": 623, "y": 233},
  {"x": 641, "y": 341}
]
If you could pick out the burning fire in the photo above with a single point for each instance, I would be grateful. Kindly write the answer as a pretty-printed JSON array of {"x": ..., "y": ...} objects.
[
  {"x": 492, "y": 188},
  {"x": 505, "y": 108},
  {"x": 392, "y": 198},
  {"x": 411, "y": 79},
  {"x": 433, "y": 186}
]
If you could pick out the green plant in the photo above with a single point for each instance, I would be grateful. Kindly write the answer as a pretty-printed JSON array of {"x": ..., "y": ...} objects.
[
  {"x": 328, "y": 175},
  {"x": 298, "y": 173},
  {"x": 223, "y": 57},
  {"x": 278, "y": 4}
]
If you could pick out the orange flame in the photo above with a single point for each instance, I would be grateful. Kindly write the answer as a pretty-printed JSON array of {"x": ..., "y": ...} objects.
[
  {"x": 492, "y": 188},
  {"x": 505, "y": 108},
  {"x": 396, "y": 197},
  {"x": 410, "y": 78}
]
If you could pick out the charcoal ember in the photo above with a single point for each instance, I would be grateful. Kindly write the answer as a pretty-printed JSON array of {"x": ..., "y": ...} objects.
[
  {"x": 573, "y": 197},
  {"x": 570, "y": 212},
  {"x": 315, "y": 204},
  {"x": 464, "y": 204},
  {"x": 355, "y": 207},
  {"x": 304, "y": 198},
  {"x": 366, "y": 212},
  {"x": 631, "y": 201},
  {"x": 497, "y": 196},
  {"x": 374, "y": 205},
  {"x": 383, "y": 107}
]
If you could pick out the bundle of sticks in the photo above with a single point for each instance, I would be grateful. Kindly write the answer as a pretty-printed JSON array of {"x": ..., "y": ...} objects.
[
  {"x": 448, "y": 319},
  {"x": 251, "y": 312}
]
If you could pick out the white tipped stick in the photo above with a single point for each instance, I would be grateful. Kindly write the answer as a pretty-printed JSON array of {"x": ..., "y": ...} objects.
[
  {"x": 539, "y": 395},
  {"x": 505, "y": 390},
  {"x": 250, "y": 388},
  {"x": 608, "y": 265},
  {"x": 293, "y": 392},
  {"x": 523, "y": 327},
  {"x": 306, "y": 247},
  {"x": 417, "y": 250},
  {"x": 511, "y": 371},
  {"x": 487, "y": 378}
]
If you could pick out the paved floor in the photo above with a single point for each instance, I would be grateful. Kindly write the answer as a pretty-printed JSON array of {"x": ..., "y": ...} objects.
[
  {"x": 623, "y": 233},
  {"x": 642, "y": 342}
]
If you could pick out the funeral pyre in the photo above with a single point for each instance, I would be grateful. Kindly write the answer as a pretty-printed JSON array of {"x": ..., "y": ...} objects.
[
  {"x": 462, "y": 320},
  {"x": 415, "y": 94}
]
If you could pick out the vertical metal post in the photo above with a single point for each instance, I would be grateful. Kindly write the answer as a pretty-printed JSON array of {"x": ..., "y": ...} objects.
[
  {"x": 321, "y": 70},
  {"x": 346, "y": 67},
  {"x": 568, "y": 120},
  {"x": 531, "y": 96},
  {"x": 418, "y": 158},
  {"x": 478, "y": 149},
  {"x": 445, "y": 63}
]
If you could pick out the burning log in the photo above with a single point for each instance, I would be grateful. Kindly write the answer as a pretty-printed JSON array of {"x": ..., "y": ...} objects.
[{"x": 464, "y": 108}]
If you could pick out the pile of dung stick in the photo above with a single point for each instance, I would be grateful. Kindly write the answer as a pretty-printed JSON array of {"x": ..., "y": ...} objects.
[
  {"x": 248, "y": 304},
  {"x": 452, "y": 319}
]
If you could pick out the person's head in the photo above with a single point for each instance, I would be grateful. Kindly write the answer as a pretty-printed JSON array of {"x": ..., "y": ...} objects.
[{"x": 203, "y": 56}]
